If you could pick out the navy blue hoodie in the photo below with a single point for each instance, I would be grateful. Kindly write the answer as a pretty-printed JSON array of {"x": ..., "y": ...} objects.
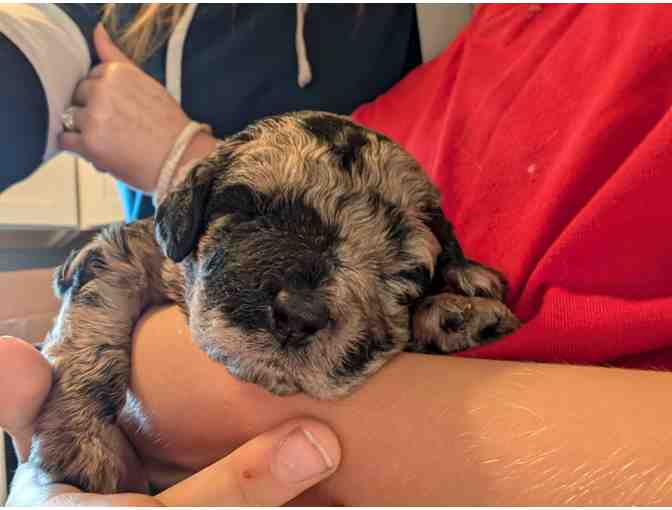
[{"x": 239, "y": 64}]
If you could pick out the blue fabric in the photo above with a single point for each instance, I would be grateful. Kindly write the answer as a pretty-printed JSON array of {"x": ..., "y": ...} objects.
[
  {"x": 23, "y": 116},
  {"x": 136, "y": 204},
  {"x": 239, "y": 65}
]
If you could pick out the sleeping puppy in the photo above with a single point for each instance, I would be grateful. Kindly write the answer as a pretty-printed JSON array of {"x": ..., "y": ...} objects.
[{"x": 306, "y": 251}]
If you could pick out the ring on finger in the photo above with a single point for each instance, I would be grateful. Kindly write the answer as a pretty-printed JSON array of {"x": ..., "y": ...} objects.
[{"x": 68, "y": 119}]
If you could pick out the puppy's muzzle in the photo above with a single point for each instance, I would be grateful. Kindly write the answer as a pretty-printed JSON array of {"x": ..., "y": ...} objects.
[{"x": 297, "y": 316}]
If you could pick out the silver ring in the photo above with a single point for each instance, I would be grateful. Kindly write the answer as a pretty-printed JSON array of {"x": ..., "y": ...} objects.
[{"x": 68, "y": 119}]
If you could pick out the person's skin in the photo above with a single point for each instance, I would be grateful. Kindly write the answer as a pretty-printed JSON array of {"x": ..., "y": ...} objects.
[
  {"x": 126, "y": 121},
  {"x": 425, "y": 430},
  {"x": 270, "y": 469}
]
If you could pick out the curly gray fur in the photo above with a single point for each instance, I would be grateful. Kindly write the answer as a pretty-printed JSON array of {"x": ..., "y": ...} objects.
[{"x": 299, "y": 251}]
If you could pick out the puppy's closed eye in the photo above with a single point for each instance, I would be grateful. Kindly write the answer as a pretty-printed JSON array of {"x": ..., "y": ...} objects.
[
  {"x": 310, "y": 248},
  {"x": 237, "y": 199}
]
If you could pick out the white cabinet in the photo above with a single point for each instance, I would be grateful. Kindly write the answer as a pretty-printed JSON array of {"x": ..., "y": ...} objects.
[
  {"x": 65, "y": 195},
  {"x": 47, "y": 199},
  {"x": 99, "y": 202}
]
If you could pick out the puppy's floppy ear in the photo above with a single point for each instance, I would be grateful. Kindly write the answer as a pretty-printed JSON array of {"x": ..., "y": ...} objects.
[
  {"x": 78, "y": 269},
  {"x": 180, "y": 218}
]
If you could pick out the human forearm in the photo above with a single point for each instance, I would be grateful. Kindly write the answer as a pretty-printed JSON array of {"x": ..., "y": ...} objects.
[
  {"x": 125, "y": 122},
  {"x": 429, "y": 429},
  {"x": 271, "y": 469},
  {"x": 474, "y": 432}
]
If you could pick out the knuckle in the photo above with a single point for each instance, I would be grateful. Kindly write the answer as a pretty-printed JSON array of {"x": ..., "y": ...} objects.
[
  {"x": 90, "y": 142},
  {"x": 116, "y": 68},
  {"x": 96, "y": 90},
  {"x": 101, "y": 70},
  {"x": 96, "y": 117}
]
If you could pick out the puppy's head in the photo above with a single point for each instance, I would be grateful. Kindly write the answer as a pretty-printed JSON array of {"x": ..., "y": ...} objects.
[{"x": 303, "y": 242}]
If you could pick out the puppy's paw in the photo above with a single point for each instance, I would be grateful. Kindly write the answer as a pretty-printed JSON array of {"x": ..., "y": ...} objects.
[
  {"x": 474, "y": 279},
  {"x": 449, "y": 323},
  {"x": 89, "y": 460}
]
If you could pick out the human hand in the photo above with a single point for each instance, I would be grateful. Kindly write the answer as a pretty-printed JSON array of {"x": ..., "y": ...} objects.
[
  {"x": 271, "y": 469},
  {"x": 125, "y": 121}
]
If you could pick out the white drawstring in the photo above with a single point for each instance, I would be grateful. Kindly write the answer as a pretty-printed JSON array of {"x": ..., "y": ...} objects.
[
  {"x": 174, "y": 53},
  {"x": 305, "y": 74},
  {"x": 176, "y": 47}
]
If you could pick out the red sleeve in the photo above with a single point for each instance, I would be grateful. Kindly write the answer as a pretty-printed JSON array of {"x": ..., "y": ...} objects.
[{"x": 548, "y": 131}]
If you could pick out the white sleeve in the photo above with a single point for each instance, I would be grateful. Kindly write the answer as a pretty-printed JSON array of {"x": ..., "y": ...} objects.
[
  {"x": 439, "y": 24},
  {"x": 57, "y": 50}
]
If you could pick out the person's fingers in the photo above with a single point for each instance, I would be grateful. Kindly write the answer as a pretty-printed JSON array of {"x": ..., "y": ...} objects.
[
  {"x": 25, "y": 380},
  {"x": 269, "y": 470},
  {"x": 100, "y": 71},
  {"x": 88, "y": 500},
  {"x": 105, "y": 47},
  {"x": 29, "y": 490},
  {"x": 83, "y": 91},
  {"x": 74, "y": 141},
  {"x": 71, "y": 141},
  {"x": 79, "y": 118}
]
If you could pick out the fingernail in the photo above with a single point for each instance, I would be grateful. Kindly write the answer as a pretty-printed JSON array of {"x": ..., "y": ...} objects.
[{"x": 300, "y": 457}]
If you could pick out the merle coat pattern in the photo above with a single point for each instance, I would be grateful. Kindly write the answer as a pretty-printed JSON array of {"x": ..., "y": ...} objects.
[{"x": 306, "y": 251}]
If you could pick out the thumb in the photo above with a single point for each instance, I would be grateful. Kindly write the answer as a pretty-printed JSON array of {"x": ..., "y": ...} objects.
[
  {"x": 105, "y": 47},
  {"x": 25, "y": 379},
  {"x": 269, "y": 470}
]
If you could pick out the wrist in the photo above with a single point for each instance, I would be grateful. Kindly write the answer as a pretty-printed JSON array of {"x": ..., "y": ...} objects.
[
  {"x": 200, "y": 146},
  {"x": 185, "y": 147}
]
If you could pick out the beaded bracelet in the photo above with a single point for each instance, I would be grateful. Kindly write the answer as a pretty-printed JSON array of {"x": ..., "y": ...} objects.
[{"x": 174, "y": 156}]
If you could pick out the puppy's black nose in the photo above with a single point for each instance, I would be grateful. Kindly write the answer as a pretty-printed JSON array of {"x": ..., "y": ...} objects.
[{"x": 297, "y": 315}]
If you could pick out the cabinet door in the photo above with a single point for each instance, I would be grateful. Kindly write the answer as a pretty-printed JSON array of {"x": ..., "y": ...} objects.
[
  {"x": 99, "y": 202},
  {"x": 48, "y": 198}
]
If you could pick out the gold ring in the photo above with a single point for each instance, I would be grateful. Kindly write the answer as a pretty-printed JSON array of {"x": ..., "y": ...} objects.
[{"x": 68, "y": 119}]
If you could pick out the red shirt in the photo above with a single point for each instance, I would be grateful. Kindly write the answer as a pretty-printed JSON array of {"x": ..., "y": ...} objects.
[{"x": 549, "y": 132}]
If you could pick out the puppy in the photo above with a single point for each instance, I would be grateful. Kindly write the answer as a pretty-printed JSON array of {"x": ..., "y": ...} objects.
[{"x": 306, "y": 251}]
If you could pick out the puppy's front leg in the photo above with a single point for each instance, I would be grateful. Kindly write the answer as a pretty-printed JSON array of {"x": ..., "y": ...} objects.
[
  {"x": 465, "y": 307},
  {"x": 104, "y": 288},
  {"x": 448, "y": 323}
]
